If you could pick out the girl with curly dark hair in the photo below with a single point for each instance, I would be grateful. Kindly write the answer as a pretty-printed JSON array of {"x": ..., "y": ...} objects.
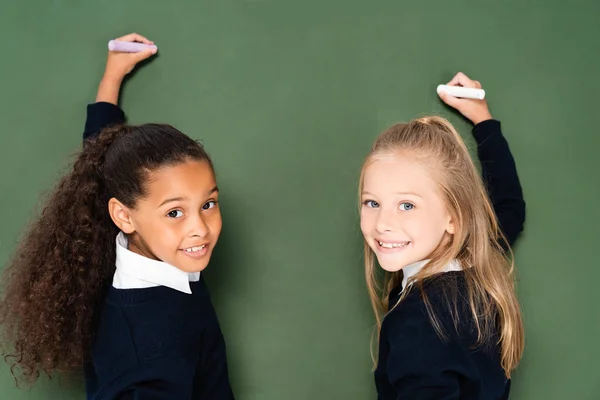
[{"x": 108, "y": 277}]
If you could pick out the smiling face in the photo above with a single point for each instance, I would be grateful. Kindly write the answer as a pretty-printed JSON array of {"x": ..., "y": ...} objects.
[
  {"x": 179, "y": 220},
  {"x": 403, "y": 217}
]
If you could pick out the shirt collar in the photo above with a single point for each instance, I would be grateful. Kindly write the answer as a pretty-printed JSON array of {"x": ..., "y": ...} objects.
[
  {"x": 151, "y": 272},
  {"x": 412, "y": 269}
]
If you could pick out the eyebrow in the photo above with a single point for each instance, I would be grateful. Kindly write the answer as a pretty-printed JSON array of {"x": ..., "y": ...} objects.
[
  {"x": 400, "y": 193},
  {"x": 173, "y": 199}
]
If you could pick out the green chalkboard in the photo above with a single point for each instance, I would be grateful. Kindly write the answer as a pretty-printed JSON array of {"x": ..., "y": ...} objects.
[{"x": 287, "y": 96}]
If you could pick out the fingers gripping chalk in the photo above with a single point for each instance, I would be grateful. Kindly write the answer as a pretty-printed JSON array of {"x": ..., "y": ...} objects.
[
  {"x": 129, "y": 47},
  {"x": 464, "y": 92}
]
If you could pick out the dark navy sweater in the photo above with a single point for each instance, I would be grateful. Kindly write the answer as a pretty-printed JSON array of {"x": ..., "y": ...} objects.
[
  {"x": 155, "y": 343},
  {"x": 414, "y": 362}
]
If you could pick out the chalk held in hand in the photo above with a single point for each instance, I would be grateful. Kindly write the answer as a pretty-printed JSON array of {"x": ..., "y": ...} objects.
[
  {"x": 464, "y": 92},
  {"x": 129, "y": 47}
]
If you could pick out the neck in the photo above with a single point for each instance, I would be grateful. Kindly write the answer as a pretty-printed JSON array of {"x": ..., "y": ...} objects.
[
  {"x": 414, "y": 269},
  {"x": 136, "y": 244}
]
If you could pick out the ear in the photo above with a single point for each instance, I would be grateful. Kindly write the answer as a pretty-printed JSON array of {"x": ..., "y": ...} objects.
[
  {"x": 121, "y": 216},
  {"x": 450, "y": 226}
]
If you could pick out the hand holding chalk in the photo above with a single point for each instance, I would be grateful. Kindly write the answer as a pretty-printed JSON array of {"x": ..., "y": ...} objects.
[
  {"x": 125, "y": 52},
  {"x": 130, "y": 47},
  {"x": 462, "y": 92},
  {"x": 467, "y": 97}
]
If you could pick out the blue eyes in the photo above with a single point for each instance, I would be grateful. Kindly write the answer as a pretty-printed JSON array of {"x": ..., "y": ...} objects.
[
  {"x": 371, "y": 203},
  {"x": 178, "y": 213},
  {"x": 404, "y": 206}
]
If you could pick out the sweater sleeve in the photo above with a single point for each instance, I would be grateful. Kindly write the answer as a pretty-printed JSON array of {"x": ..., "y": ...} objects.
[
  {"x": 99, "y": 116},
  {"x": 500, "y": 178},
  {"x": 148, "y": 382}
]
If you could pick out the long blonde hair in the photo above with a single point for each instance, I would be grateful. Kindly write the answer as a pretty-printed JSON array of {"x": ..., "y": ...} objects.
[{"x": 476, "y": 241}]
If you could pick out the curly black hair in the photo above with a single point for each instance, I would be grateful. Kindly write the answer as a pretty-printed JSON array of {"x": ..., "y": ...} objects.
[{"x": 53, "y": 287}]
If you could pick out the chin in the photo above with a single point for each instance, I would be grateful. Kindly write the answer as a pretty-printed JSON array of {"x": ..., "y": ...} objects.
[
  {"x": 193, "y": 268},
  {"x": 394, "y": 264},
  {"x": 189, "y": 266},
  {"x": 391, "y": 267}
]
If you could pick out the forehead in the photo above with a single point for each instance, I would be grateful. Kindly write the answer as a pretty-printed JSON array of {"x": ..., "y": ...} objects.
[
  {"x": 183, "y": 178},
  {"x": 391, "y": 173}
]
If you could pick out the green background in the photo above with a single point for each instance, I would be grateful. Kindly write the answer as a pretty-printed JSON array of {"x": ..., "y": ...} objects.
[{"x": 287, "y": 96}]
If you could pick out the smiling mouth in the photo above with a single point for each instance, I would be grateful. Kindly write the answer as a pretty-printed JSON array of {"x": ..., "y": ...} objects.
[
  {"x": 392, "y": 245},
  {"x": 194, "y": 249}
]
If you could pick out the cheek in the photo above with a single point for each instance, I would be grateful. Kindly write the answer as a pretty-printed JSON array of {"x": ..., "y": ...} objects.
[
  {"x": 215, "y": 223},
  {"x": 366, "y": 222},
  {"x": 152, "y": 228},
  {"x": 434, "y": 228},
  {"x": 168, "y": 233}
]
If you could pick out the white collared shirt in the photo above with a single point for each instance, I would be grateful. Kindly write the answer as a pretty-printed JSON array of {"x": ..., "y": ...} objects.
[
  {"x": 135, "y": 271},
  {"x": 411, "y": 270}
]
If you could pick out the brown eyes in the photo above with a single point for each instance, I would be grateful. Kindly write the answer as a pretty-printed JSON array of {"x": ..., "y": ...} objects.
[
  {"x": 209, "y": 205},
  {"x": 175, "y": 214},
  {"x": 178, "y": 213}
]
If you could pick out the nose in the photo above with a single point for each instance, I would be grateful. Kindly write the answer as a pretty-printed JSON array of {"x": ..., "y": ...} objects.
[
  {"x": 385, "y": 220},
  {"x": 198, "y": 226}
]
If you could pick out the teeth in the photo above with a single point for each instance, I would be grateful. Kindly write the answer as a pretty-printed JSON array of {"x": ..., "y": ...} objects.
[
  {"x": 194, "y": 249},
  {"x": 393, "y": 245}
]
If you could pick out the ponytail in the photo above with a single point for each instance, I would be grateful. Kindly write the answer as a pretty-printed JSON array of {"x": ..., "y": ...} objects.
[{"x": 54, "y": 283}]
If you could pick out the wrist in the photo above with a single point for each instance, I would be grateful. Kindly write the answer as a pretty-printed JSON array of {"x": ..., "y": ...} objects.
[
  {"x": 481, "y": 117},
  {"x": 111, "y": 79},
  {"x": 108, "y": 90}
]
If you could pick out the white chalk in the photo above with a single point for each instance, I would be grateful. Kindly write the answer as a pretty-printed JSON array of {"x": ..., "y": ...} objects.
[
  {"x": 459, "y": 91},
  {"x": 129, "y": 47}
]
